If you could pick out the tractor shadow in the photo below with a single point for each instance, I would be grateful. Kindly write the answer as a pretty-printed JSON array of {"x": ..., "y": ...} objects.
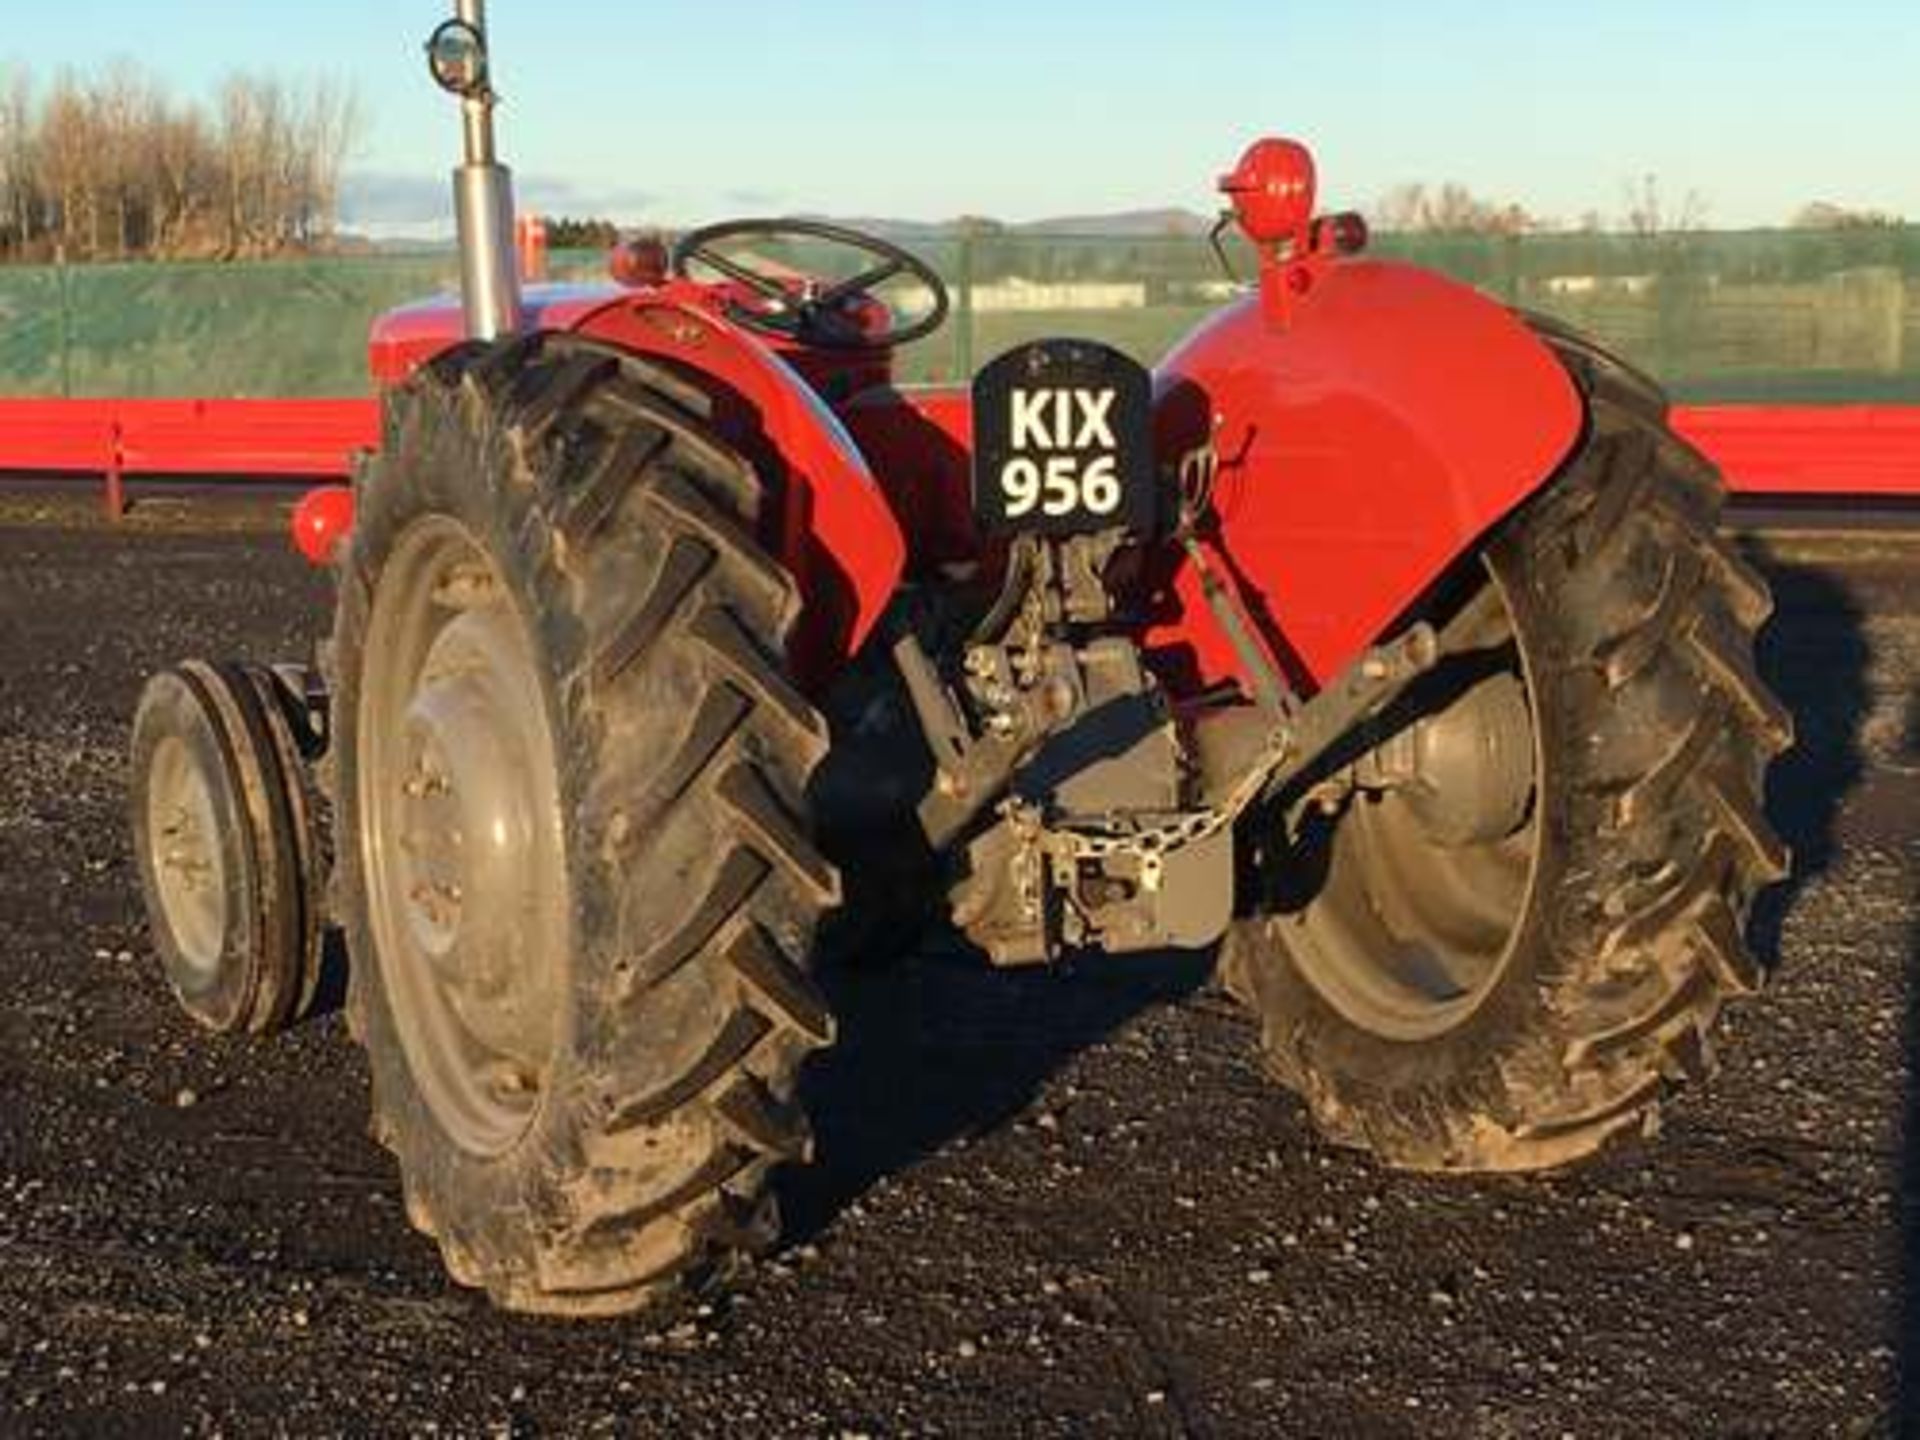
[
  {"x": 937, "y": 1046},
  {"x": 1814, "y": 655},
  {"x": 1906, "y": 1411},
  {"x": 1817, "y": 657},
  {"x": 330, "y": 987}
]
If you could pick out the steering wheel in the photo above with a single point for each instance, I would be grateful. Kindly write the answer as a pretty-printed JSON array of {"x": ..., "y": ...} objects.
[{"x": 818, "y": 313}]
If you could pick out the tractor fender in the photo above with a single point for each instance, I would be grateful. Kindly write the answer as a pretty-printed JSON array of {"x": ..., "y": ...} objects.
[
  {"x": 834, "y": 530},
  {"x": 1359, "y": 440}
]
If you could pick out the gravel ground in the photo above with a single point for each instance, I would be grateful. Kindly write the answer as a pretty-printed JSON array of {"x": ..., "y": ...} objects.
[{"x": 1046, "y": 1205}]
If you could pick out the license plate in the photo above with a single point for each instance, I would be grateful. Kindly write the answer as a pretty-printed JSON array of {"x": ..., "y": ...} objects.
[{"x": 1063, "y": 441}]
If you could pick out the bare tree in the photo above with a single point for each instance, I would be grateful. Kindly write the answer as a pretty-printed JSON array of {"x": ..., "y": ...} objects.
[
  {"x": 1402, "y": 209},
  {"x": 1649, "y": 215},
  {"x": 65, "y": 145},
  {"x": 122, "y": 103},
  {"x": 112, "y": 166},
  {"x": 19, "y": 178},
  {"x": 334, "y": 122},
  {"x": 180, "y": 160},
  {"x": 1824, "y": 215},
  {"x": 1448, "y": 209},
  {"x": 242, "y": 145}
]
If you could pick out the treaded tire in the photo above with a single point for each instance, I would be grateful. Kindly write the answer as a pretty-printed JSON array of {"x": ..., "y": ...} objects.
[
  {"x": 623, "y": 529},
  {"x": 285, "y": 707},
  {"x": 1636, "y": 624},
  {"x": 247, "y": 965},
  {"x": 1599, "y": 372}
]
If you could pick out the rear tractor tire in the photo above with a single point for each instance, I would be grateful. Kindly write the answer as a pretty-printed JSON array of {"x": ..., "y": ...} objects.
[
  {"x": 1506, "y": 965},
  {"x": 575, "y": 863}
]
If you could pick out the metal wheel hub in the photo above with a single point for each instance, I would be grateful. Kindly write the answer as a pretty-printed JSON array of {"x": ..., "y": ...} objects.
[
  {"x": 462, "y": 840},
  {"x": 1427, "y": 874},
  {"x": 187, "y": 863},
  {"x": 1465, "y": 772}
]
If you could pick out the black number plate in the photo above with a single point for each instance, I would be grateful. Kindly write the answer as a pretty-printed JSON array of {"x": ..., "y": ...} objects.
[{"x": 1063, "y": 441}]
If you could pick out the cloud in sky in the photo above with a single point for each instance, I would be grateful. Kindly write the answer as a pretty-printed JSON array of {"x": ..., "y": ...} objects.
[
  {"x": 388, "y": 199},
  {"x": 753, "y": 199},
  {"x": 390, "y": 202}
]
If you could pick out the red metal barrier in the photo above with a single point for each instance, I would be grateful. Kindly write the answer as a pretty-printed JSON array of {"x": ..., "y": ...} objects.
[
  {"x": 1871, "y": 451},
  {"x": 1823, "y": 450},
  {"x": 236, "y": 439},
  {"x": 58, "y": 435}
]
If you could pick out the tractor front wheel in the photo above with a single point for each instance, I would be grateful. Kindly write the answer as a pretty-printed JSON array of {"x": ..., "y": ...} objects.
[
  {"x": 1495, "y": 950},
  {"x": 574, "y": 856},
  {"x": 224, "y": 837}
]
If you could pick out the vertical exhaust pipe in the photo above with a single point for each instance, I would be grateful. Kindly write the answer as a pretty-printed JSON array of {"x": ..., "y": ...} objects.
[{"x": 482, "y": 186}]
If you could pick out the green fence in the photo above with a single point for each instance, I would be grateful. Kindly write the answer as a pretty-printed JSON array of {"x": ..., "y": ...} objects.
[
  {"x": 1752, "y": 316},
  {"x": 277, "y": 329}
]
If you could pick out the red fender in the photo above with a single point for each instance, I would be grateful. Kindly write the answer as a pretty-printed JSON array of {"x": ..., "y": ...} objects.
[
  {"x": 833, "y": 528},
  {"x": 1367, "y": 431},
  {"x": 837, "y": 533}
]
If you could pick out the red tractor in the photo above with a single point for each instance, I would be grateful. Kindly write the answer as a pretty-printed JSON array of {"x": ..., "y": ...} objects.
[{"x": 1380, "y": 638}]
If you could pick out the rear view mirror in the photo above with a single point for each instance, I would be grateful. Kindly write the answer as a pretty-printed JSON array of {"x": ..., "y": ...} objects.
[{"x": 457, "y": 56}]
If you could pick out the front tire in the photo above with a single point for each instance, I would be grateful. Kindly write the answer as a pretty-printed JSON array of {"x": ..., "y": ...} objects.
[
  {"x": 1510, "y": 1000},
  {"x": 224, "y": 841},
  {"x": 576, "y": 873}
]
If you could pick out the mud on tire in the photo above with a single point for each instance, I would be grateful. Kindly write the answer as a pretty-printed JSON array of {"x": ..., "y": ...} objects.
[
  {"x": 621, "y": 531},
  {"x": 1635, "y": 623}
]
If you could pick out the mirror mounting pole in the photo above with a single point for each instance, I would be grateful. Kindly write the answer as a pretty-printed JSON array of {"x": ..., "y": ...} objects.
[{"x": 483, "y": 205}]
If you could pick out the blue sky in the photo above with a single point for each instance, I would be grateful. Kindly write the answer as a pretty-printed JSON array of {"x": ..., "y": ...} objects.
[{"x": 673, "y": 111}]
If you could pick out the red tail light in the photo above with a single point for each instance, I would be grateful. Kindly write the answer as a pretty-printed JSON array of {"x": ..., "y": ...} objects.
[
  {"x": 1343, "y": 234},
  {"x": 321, "y": 522},
  {"x": 1272, "y": 189}
]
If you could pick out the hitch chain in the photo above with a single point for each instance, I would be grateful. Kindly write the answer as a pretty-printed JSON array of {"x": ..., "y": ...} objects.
[{"x": 1147, "y": 845}]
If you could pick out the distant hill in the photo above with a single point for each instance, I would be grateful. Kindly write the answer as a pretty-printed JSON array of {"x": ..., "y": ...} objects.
[
  {"x": 1119, "y": 225},
  {"x": 1122, "y": 225}
]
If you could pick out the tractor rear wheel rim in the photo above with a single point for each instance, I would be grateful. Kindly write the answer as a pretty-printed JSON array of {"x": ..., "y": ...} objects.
[
  {"x": 189, "y": 871},
  {"x": 1412, "y": 931},
  {"x": 461, "y": 836}
]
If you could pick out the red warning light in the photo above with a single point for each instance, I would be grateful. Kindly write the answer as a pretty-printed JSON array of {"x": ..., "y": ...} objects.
[
  {"x": 321, "y": 522},
  {"x": 1272, "y": 189}
]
